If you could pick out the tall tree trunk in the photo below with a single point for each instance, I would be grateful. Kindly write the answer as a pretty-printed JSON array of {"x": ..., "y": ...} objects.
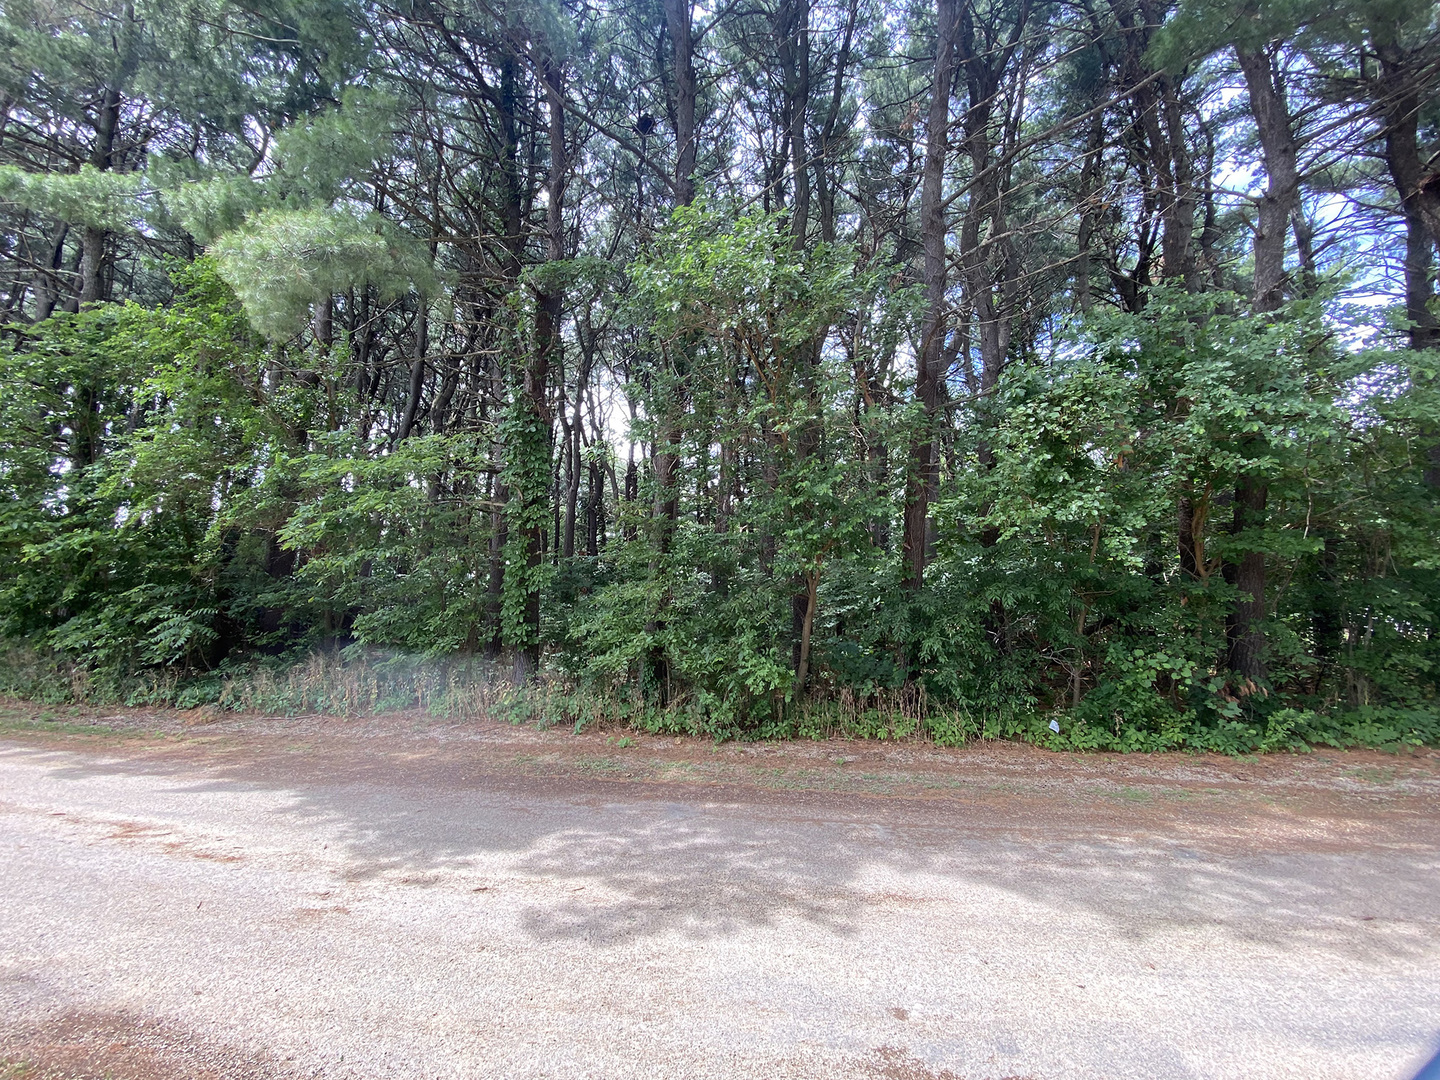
[
  {"x": 512, "y": 249},
  {"x": 449, "y": 383},
  {"x": 807, "y": 629},
  {"x": 793, "y": 51},
  {"x": 1185, "y": 534},
  {"x": 1159, "y": 120},
  {"x": 666, "y": 449},
  {"x": 92, "y": 265},
  {"x": 987, "y": 263},
  {"x": 1399, "y": 90},
  {"x": 1424, "y": 328},
  {"x": 681, "y": 103},
  {"x": 94, "y": 277},
  {"x": 679, "y": 25},
  {"x": 1268, "y": 106},
  {"x": 1090, "y": 209},
  {"x": 495, "y": 586},
  {"x": 1417, "y": 193},
  {"x": 1168, "y": 187},
  {"x": 920, "y": 479},
  {"x": 1277, "y": 141},
  {"x": 324, "y": 324},
  {"x": 630, "y": 496},
  {"x": 534, "y": 397}
]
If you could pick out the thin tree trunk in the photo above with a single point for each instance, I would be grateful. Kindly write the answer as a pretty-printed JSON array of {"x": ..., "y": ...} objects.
[
  {"x": 1246, "y": 642},
  {"x": 495, "y": 586},
  {"x": 416, "y": 386},
  {"x": 47, "y": 284},
  {"x": 1325, "y": 612},
  {"x": 574, "y": 463},
  {"x": 1090, "y": 211},
  {"x": 793, "y": 51},
  {"x": 807, "y": 628}
]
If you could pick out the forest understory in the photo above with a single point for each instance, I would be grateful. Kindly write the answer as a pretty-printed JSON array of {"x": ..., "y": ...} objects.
[{"x": 948, "y": 370}]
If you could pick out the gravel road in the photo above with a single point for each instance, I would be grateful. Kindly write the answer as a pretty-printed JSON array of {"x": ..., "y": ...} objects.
[{"x": 412, "y": 907}]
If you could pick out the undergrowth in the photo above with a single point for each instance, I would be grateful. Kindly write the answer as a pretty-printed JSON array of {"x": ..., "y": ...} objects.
[{"x": 357, "y": 682}]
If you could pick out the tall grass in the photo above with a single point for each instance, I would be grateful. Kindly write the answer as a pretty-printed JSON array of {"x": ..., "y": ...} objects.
[
  {"x": 358, "y": 682},
  {"x": 348, "y": 683}
]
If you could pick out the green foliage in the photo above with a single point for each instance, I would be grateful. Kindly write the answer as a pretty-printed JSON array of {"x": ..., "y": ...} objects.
[
  {"x": 526, "y": 438},
  {"x": 382, "y": 556},
  {"x": 283, "y": 261},
  {"x": 126, "y": 434},
  {"x": 89, "y": 197},
  {"x": 210, "y": 207},
  {"x": 187, "y": 517}
]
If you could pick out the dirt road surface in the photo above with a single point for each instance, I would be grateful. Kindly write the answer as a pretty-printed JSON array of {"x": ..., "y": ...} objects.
[{"x": 259, "y": 897}]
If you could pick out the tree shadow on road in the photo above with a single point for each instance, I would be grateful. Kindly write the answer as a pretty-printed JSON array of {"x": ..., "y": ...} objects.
[{"x": 640, "y": 860}]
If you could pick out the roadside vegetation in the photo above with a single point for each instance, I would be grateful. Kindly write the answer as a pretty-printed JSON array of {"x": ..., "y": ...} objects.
[{"x": 942, "y": 369}]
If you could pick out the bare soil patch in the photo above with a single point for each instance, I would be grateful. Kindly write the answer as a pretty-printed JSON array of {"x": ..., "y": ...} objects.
[
  {"x": 1323, "y": 800},
  {"x": 74, "y": 1045},
  {"x": 267, "y": 896}
]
